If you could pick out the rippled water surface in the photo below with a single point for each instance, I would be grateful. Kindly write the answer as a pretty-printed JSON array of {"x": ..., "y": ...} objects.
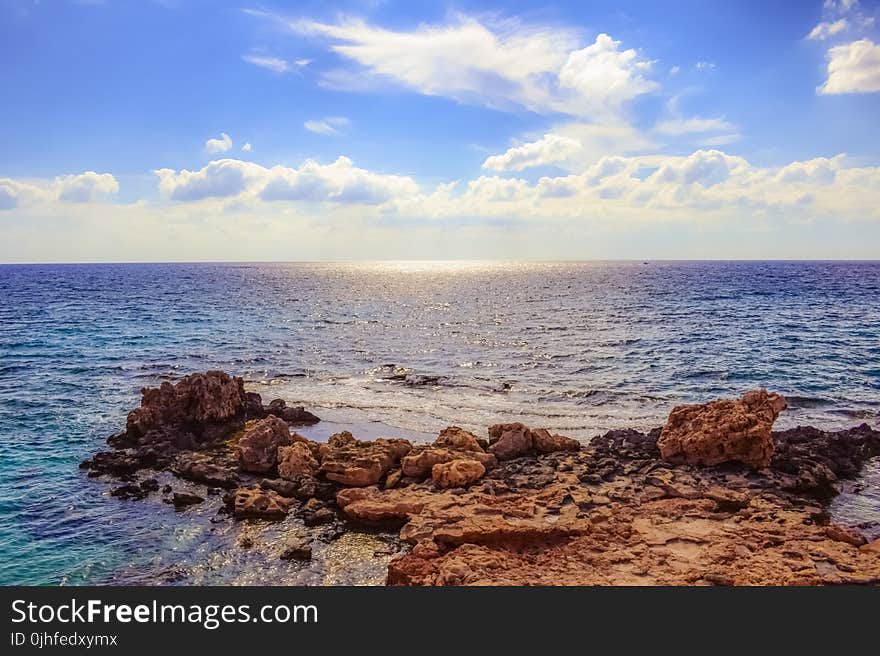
[{"x": 402, "y": 348}]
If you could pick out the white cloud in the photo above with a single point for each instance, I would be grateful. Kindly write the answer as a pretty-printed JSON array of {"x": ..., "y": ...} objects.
[
  {"x": 694, "y": 125},
  {"x": 819, "y": 171},
  {"x": 503, "y": 64},
  {"x": 550, "y": 149},
  {"x": 275, "y": 64},
  {"x": 339, "y": 182},
  {"x": 247, "y": 148},
  {"x": 704, "y": 66},
  {"x": 15, "y": 194},
  {"x": 220, "y": 145},
  {"x": 825, "y": 29},
  {"x": 330, "y": 126},
  {"x": 675, "y": 70},
  {"x": 86, "y": 187},
  {"x": 853, "y": 68}
]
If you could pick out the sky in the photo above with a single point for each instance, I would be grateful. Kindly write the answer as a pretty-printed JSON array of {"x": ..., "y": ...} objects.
[{"x": 197, "y": 130}]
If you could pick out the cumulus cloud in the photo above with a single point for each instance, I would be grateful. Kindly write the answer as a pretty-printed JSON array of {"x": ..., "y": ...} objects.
[
  {"x": 221, "y": 178},
  {"x": 220, "y": 145},
  {"x": 339, "y": 182},
  {"x": 499, "y": 64},
  {"x": 853, "y": 68},
  {"x": 330, "y": 126},
  {"x": 87, "y": 187},
  {"x": 550, "y": 149},
  {"x": 247, "y": 148},
  {"x": 818, "y": 171}
]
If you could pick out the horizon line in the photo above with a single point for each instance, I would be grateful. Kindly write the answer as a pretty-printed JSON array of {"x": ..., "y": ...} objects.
[{"x": 438, "y": 260}]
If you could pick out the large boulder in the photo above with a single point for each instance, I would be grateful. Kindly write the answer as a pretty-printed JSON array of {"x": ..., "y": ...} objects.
[
  {"x": 296, "y": 460},
  {"x": 350, "y": 462},
  {"x": 457, "y": 473},
  {"x": 207, "y": 406},
  {"x": 459, "y": 439},
  {"x": 723, "y": 430},
  {"x": 508, "y": 441},
  {"x": 258, "y": 447}
]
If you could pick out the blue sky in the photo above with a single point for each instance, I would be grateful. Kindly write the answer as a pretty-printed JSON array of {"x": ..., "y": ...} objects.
[{"x": 189, "y": 129}]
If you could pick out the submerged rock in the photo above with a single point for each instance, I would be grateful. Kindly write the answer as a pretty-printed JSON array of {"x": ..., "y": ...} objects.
[
  {"x": 723, "y": 430},
  {"x": 183, "y": 499}
]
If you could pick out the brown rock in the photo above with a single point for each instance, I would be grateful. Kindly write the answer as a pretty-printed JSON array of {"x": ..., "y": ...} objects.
[
  {"x": 297, "y": 550},
  {"x": 257, "y": 503},
  {"x": 207, "y": 406},
  {"x": 457, "y": 473},
  {"x": 723, "y": 430},
  {"x": 358, "y": 464},
  {"x": 871, "y": 548},
  {"x": 292, "y": 415},
  {"x": 845, "y": 534},
  {"x": 420, "y": 463},
  {"x": 458, "y": 439},
  {"x": 509, "y": 440},
  {"x": 544, "y": 442},
  {"x": 258, "y": 448},
  {"x": 200, "y": 469},
  {"x": 296, "y": 460}
]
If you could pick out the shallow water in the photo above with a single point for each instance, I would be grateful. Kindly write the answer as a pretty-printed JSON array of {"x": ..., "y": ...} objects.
[{"x": 402, "y": 348}]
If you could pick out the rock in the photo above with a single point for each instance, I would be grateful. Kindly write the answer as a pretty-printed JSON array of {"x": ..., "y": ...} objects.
[
  {"x": 320, "y": 516},
  {"x": 257, "y": 503},
  {"x": 149, "y": 485},
  {"x": 359, "y": 464},
  {"x": 544, "y": 442},
  {"x": 183, "y": 499},
  {"x": 207, "y": 406},
  {"x": 297, "y": 550},
  {"x": 420, "y": 462},
  {"x": 871, "y": 548},
  {"x": 723, "y": 430},
  {"x": 284, "y": 488},
  {"x": 457, "y": 473},
  {"x": 393, "y": 479},
  {"x": 258, "y": 447},
  {"x": 200, "y": 469},
  {"x": 509, "y": 441},
  {"x": 845, "y": 534},
  {"x": 128, "y": 491},
  {"x": 296, "y": 460},
  {"x": 254, "y": 406},
  {"x": 297, "y": 415},
  {"x": 458, "y": 439}
]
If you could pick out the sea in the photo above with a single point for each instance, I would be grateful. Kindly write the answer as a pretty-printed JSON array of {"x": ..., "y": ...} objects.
[{"x": 395, "y": 349}]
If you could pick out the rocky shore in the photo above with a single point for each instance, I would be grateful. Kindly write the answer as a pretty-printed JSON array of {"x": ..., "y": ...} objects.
[{"x": 713, "y": 497}]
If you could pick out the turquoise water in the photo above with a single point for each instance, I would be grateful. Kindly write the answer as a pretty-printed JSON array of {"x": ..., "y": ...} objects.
[{"x": 406, "y": 348}]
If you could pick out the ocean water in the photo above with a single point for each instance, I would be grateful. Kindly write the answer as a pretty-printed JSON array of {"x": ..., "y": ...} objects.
[{"x": 397, "y": 349}]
